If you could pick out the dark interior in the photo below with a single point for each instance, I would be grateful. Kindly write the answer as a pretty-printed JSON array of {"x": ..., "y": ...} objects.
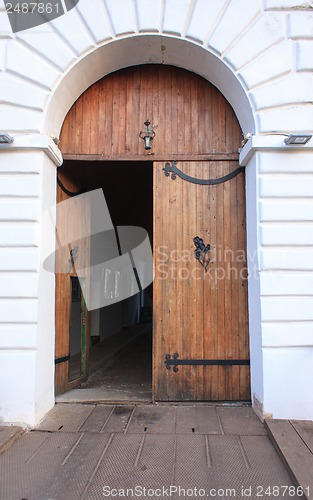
[{"x": 121, "y": 331}]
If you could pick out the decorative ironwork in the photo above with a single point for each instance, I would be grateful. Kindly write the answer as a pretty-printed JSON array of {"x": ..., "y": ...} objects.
[
  {"x": 201, "y": 252},
  {"x": 173, "y": 361},
  {"x": 73, "y": 258},
  {"x": 171, "y": 169},
  {"x": 64, "y": 359},
  {"x": 66, "y": 191},
  {"x": 147, "y": 135}
]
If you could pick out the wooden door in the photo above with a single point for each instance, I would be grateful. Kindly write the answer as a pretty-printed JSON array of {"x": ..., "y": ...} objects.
[
  {"x": 198, "y": 315},
  {"x": 71, "y": 370}
]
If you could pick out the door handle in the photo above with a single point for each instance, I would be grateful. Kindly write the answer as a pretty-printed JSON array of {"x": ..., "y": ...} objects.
[{"x": 201, "y": 252}]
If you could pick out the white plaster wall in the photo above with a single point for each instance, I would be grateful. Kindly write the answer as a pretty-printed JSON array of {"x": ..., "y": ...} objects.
[
  {"x": 27, "y": 186},
  {"x": 259, "y": 54},
  {"x": 286, "y": 281}
]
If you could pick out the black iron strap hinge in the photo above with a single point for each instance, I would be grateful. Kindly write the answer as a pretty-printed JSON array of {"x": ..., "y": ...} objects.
[
  {"x": 173, "y": 361},
  {"x": 64, "y": 359},
  {"x": 170, "y": 169}
]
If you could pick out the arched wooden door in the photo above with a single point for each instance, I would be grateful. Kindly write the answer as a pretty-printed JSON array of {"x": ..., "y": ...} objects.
[{"x": 200, "y": 316}]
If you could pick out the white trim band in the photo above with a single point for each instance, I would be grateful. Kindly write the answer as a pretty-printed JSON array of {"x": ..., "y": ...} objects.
[
  {"x": 35, "y": 142},
  {"x": 270, "y": 143}
]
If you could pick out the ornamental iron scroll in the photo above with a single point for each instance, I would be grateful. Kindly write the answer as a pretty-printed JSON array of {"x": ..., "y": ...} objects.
[
  {"x": 72, "y": 259},
  {"x": 172, "y": 361},
  {"x": 201, "y": 252},
  {"x": 170, "y": 169}
]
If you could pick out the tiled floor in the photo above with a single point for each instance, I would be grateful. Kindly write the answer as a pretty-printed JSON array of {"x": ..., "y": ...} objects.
[{"x": 154, "y": 451}]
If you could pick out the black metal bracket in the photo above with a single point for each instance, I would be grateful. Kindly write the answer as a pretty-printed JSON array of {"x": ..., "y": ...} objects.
[
  {"x": 201, "y": 252},
  {"x": 64, "y": 359},
  {"x": 173, "y": 361},
  {"x": 171, "y": 169},
  {"x": 73, "y": 258}
]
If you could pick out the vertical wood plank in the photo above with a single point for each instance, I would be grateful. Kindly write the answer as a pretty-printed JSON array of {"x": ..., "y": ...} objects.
[
  {"x": 234, "y": 343},
  {"x": 63, "y": 287}
]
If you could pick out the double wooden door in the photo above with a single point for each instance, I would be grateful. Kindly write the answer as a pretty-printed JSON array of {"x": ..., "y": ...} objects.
[
  {"x": 199, "y": 315},
  {"x": 200, "y": 311}
]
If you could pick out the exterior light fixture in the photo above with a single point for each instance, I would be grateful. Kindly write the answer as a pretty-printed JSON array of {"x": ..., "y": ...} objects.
[
  {"x": 297, "y": 139},
  {"x": 5, "y": 138},
  {"x": 147, "y": 135}
]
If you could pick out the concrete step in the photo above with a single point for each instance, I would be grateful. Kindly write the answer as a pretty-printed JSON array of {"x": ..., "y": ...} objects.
[
  {"x": 8, "y": 434},
  {"x": 293, "y": 441}
]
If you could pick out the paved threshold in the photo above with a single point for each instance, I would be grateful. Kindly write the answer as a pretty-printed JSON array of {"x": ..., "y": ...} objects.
[
  {"x": 83, "y": 451},
  {"x": 294, "y": 442},
  {"x": 8, "y": 434}
]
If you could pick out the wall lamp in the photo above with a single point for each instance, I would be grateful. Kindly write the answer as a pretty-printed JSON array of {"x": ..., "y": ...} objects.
[
  {"x": 147, "y": 135},
  {"x": 297, "y": 139},
  {"x": 5, "y": 138}
]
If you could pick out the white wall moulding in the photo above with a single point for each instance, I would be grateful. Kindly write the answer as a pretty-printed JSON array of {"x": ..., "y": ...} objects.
[
  {"x": 270, "y": 143},
  {"x": 34, "y": 142}
]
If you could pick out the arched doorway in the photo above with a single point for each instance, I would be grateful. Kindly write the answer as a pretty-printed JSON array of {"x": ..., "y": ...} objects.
[{"x": 200, "y": 333}]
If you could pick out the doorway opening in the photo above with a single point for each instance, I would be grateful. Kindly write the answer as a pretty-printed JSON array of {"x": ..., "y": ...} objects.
[
  {"x": 119, "y": 339},
  {"x": 197, "y": 195}
]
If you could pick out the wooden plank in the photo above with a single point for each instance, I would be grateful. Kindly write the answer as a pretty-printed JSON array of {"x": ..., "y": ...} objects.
[
  {"x": 190, "y": 341},
  {"x": 116, "y": 129},
  {"x": 235, "y": 336},
  {"x": 170, "y": 305},
  {"x": 203, "y": 136},
  {"x": 220, "y": 324},
  {"x": 305, "y": 430},
  {"x": 228, "y": 220},
  {"x": 160, "y": 266},
  {"x": 156, "y": 157},
  {"x": 108, "y": 117},
  {"x": 141, "y": 111},
  {"x": 211, "y": 301},
  {"x": 89, "y": 116},
  {"x": 293, "y": 451},
  {"x": 63, "y": 287},
  {"x": 187, "y": 114},
  {"x": 242, "y": 290},
  {"x": 78, "y": 124},
  {"x": 181, "y": 265},
  {"x": 130, "y": 96},
  {"x": 122, "y": 131},
  {"x": 64, "y": 142},
  {"x": 200, "y": 170}
]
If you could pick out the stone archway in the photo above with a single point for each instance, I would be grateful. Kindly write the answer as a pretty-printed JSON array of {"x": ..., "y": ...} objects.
[{"x": 145, "y": 49}]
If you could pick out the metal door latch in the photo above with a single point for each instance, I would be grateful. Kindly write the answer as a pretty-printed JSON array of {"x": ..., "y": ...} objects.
[{"x": 201, "y": 252}]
